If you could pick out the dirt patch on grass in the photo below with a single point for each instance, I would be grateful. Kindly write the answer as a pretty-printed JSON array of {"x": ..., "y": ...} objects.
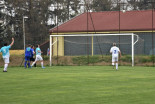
[{"x": 18, "y": 60}]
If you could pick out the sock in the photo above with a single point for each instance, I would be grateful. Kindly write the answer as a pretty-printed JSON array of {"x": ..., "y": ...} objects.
[
  {"x": 25, "y": 64},
  {"x": 5, "y": 67},
  {"x": 33, "y": 63},
  {"x": 42, "y": 64},
  {"x": 116, "y": 66},
  {"x": 113, "y": 65},
  {"x": 28, "y": 64}
]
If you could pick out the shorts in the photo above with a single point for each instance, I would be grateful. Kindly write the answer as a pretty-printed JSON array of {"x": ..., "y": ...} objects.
[
  {"x": 114, "y": 59},
  {"x": 38, "y": 58},
  {"x": 6, "y": 60},
  {"x": 32, "y": 59},
  {"x": 27, "y": 58}
]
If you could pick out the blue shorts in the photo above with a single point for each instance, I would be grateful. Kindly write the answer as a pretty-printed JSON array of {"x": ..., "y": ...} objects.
[{"x": 27, "y": 58}]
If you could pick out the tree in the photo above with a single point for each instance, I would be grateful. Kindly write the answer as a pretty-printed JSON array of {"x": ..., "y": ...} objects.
[
  {"x": 140, "y": 4},
  {"x": 39, "y": 12},
  {"x": 101, "y": 5},
  {"x": 2, "y": 25}
]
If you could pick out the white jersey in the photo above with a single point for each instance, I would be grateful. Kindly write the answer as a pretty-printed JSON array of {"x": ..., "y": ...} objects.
[{"x": 115, "y": 51}]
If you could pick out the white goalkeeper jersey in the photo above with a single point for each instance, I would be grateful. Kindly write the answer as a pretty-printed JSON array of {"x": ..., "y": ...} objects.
[{"x": 115, "y": 51}]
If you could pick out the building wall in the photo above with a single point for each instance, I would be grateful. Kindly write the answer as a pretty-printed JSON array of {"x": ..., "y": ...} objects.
[{"x": 58, "y": 47}]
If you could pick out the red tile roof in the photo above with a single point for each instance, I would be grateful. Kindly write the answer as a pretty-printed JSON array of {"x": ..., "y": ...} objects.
[{"x": 109, "y": 21}]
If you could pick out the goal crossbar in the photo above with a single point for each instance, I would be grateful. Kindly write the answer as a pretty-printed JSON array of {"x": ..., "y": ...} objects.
[{"x": 133, "y": 41}]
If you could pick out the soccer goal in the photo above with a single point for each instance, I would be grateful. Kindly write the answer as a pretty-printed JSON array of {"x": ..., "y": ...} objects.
[{"x": 92, "y": 44}]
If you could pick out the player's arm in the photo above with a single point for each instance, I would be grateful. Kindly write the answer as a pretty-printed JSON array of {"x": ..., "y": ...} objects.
[
  {"x": 111, "y": 50},
  {"x": 120, "y": 54},
  {"x": 39, "y": 51},
  {"x": 33, "y": 52},
  {"x": 12, "y": 42}
]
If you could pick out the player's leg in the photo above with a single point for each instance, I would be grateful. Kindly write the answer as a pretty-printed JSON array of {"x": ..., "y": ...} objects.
[
  {"x": 42, "y": 63},
  {"x": 6, "y": 61},
  {"x": 113, "y": 62},
  {"x": 35, "y": 61},
  {"x": 28, "y": 62},
  {"x": 25, "y": 64},
  {"x": 116, "y": 61},
  {"x": 41, "y": 59},
  {"x": 116, "y": 65}
]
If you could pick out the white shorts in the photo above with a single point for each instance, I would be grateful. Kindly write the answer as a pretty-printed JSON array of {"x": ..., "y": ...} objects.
[
  {"x": 38, "y": 58},
  {"x": 114, "y": 59},
  {"x": 6, "y": 60}
]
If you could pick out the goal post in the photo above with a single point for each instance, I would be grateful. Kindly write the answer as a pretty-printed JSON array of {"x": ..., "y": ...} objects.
[{"x": 55, "y": 39}]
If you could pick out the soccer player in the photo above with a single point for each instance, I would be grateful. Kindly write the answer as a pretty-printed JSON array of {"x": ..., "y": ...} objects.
[
  {"x": 38, "y": 56},
  {"x": 32, "y": 54},
  {"x": 48, "y": 52},
  {"x": 28, "y": 53},
  {"x": 115, "y": 54},
  {"x": 6, "y": 54}
]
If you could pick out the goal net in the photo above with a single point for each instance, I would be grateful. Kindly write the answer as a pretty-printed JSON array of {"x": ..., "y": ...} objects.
[{"x": 64, "y": 47}]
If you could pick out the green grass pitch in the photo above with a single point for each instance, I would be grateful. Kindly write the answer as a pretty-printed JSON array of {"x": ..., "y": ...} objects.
[{"x": 78, "y": 85}]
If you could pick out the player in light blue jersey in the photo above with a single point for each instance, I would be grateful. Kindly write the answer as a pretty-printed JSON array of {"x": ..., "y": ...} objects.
[
  {"x": 38, "y": 56},
  {"x": 6, "y": 54}
]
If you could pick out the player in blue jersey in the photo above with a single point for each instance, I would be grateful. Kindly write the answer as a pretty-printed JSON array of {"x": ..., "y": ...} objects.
[
  {"x": 38, "y": 56},
  {"x": 6, "y": 54},
  {"x": 28, "y": 53}
]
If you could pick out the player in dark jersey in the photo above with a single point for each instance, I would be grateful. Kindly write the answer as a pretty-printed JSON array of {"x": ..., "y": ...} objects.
[{"x": 32, "y": 55}]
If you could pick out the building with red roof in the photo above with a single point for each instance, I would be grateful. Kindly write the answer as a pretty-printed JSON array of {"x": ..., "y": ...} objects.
[
  {"x": 109, "y": 21},
  {"x": 138, "y": 22}
]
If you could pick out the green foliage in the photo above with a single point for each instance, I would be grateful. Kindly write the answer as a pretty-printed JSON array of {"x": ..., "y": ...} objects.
[
  {"x": 126, "y": 58},
  {"x": 80, "y": 60},
  {"x": 144, "y": 59},
  {"x": 152, "y": 58},
  {"x": 105, "y": 58},
  {"x": 45, "y": 57},
  {"x": 84, "y": 60}
]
